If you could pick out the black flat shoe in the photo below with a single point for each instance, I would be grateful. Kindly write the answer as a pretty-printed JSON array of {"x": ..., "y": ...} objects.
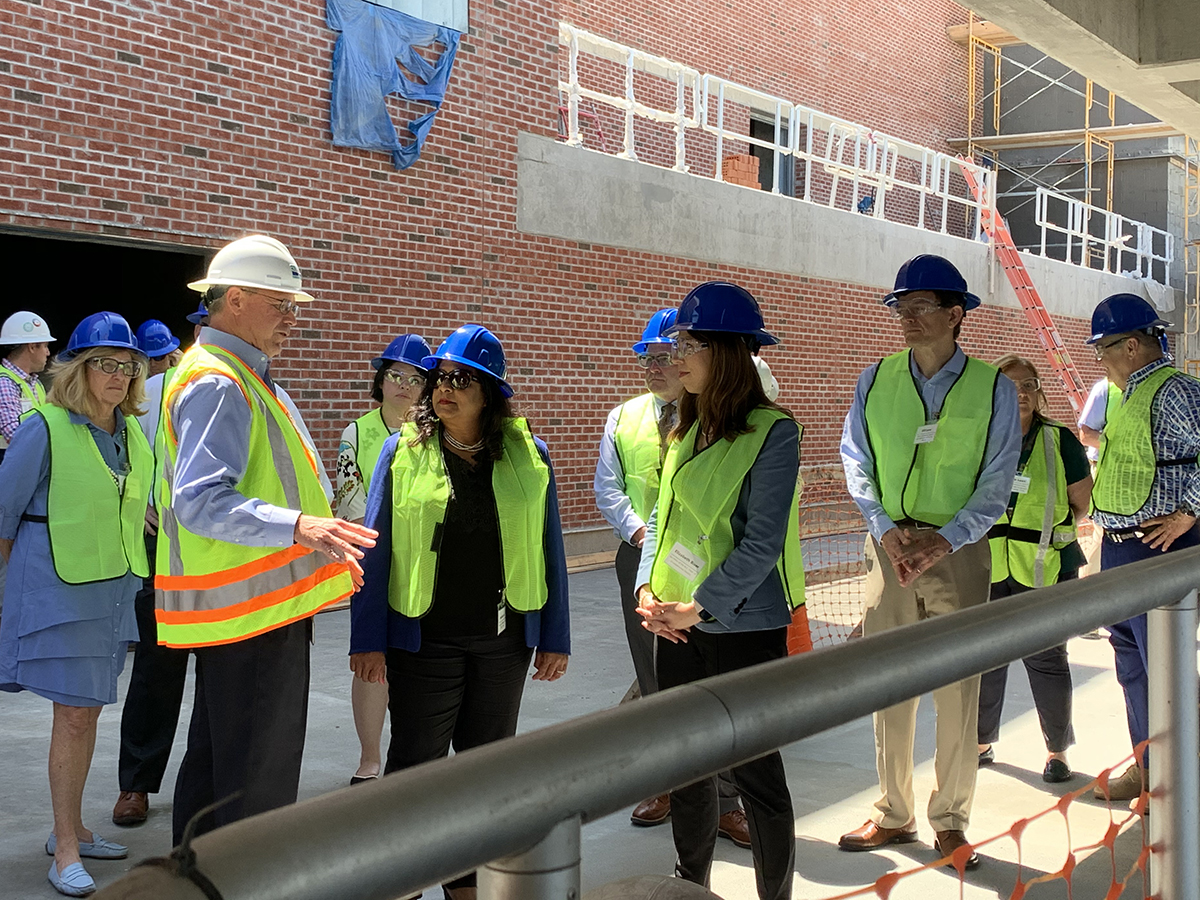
[
  {"x": 362, "y": 779},
  {"x": 1056, "y": 772},
  {"x": 987, "y": 757}
]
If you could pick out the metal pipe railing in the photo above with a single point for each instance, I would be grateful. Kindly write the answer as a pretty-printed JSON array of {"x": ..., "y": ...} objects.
[{"x": 515, "y": 801}]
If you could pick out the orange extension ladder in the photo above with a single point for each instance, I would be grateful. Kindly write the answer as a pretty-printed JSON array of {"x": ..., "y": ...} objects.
[{"x": 1031, "y": 300}]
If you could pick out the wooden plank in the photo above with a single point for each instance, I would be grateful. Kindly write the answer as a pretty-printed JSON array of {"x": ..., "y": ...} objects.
[
  {"x": 986, "y": 31},
  {"x": 1141, "y": 131}
]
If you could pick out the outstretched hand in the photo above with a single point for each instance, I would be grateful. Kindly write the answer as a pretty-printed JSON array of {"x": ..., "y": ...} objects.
[{"x": 337, "y": 539}]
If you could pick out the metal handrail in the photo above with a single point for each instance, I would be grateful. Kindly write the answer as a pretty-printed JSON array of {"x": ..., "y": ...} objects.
[{"x": 436, "y": 821}]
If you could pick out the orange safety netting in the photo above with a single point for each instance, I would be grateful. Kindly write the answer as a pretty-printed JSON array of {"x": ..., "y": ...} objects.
[
  {"x": 882, "y": 887},
  {"x": 832, "y": 535}
]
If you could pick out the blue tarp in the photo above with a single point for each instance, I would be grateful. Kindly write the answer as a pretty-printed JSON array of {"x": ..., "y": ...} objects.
[{"x": 371, "y": 40}]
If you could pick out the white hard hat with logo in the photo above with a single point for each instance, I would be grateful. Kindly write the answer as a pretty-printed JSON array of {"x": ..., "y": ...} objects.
[
  {"x": 255, "y": 261},
  {"x": 25, "y": 328},
  {"x": 769, "y": 385}
]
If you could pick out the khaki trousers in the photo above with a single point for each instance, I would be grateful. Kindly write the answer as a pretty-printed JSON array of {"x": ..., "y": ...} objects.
[{"x": 958, "y": 581}]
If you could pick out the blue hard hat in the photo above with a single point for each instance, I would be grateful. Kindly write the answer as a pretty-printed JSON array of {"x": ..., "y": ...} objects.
[
  {"x": 721, "y": 306},
  {"x": 407, "y": 348},
  {"x": 928, "y": 272},
  {"x": 155, "y": 338},
  {"x": 199, "y": 315},
  {"x": 1121, "y": 314},
  {"x": 474, "y": 346},
  {"x": 655, "y": 330},
  {"x": 102, "y": 329}
]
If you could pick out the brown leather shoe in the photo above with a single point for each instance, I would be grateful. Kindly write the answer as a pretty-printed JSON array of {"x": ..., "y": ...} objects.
[
  {"x": 949, "y": 841},
  {"x": 872, "y": 836},
  {"x": 654, "y": 811},
  {"x": 733, "y": 825},
  {"x": 131, "y": 809},
  {"x": 1128, "y": 786}
]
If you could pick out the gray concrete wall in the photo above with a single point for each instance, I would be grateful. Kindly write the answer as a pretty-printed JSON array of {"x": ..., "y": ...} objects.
[{"x": 581, "y": 195}]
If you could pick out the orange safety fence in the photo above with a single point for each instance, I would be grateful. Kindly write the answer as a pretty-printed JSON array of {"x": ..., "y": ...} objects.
[
  {"x": 832, "y": 536},
  {"x": 882, "y": 887}
]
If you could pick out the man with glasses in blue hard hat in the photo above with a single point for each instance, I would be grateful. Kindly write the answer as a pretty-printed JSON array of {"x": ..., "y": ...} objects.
[
  {"x": 626, "y": 488},
  {"x": 1147, "y": 491},
  {"x": 930, "y": 448}
]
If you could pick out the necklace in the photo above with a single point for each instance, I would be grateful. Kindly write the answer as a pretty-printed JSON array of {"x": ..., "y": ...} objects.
[{"x": 459, "y": 445}]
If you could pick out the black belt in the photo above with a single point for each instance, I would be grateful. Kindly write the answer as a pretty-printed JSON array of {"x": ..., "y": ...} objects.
[
  {"x": 26, "y": 517},
  {"x": 1004, "y": 530},
  {"x": 1124, "y": 534},
  {"x": 913, "y": 523},
  {"x": 1182, "y": 461}
]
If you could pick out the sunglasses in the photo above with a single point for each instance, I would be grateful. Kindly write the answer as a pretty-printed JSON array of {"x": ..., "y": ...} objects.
[
  {"x": 404, "y": 379},
  {"x": 110, "y": 366},
  {"x": 458, "y": 379}
]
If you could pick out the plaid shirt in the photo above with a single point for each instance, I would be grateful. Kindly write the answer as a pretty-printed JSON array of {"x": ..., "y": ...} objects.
[
  {"x": 12, "y": 400},
  {"x": 1174, "y": 434}
]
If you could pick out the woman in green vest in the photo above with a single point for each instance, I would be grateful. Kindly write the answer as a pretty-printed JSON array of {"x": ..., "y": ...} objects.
[
  {"x": 74, "y": 487},
  {"x": 1033, "y": 545},
  {"x": 721, "y": 569},
  {"x": 467, "y": 582},
  {"x": 399, "y": 379}
]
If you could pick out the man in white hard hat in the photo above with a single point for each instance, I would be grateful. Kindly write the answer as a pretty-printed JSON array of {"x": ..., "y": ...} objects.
[
  {"x": 247, "y": 549},
  {"x": 24, "y": 349}
]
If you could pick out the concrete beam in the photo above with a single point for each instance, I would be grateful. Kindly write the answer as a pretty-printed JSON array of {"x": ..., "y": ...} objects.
[
  {"x": 582, "y": 195},
  {"x": 1138, "y": 49}
]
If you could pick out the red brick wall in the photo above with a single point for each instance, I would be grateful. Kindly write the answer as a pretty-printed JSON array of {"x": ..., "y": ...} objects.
[{"x": 196, "y": 124}]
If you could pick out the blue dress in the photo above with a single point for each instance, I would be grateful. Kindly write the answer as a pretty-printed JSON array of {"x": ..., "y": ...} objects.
[{"x": 64, "y": 642}]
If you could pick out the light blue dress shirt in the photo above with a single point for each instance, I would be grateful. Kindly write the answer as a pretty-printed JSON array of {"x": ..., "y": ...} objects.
[
  {"x": 212, "y": 421},
  {"x": 1001, "y": 454},
  {"x": 609, "y": 484}
]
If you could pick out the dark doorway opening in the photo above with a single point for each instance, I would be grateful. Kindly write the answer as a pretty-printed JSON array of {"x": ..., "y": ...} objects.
[
  {"x": 764, "y": 130},
  {"x": 63, "y": 279}
]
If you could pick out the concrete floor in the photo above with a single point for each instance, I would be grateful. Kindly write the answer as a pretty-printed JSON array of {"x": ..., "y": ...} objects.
[{"x": 832, "y": 778}]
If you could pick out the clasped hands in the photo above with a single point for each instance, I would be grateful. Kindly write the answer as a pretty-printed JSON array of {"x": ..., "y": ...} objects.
[
  {"x": 668, "y": 620},
  {"x": 913, "y": 552}
]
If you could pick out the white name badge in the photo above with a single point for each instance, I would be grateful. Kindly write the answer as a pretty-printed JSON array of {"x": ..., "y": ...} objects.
[
  {"x": 684, "y": 561},
  {"x": 501, "y": 616},
  {"x": 1021, "y": 484},
  {"x": 926, "y": 433}
]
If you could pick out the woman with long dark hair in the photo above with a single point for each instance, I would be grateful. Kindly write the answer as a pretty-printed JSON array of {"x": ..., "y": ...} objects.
[
  {"x": 467, "y": 582},
  {"x": 721, "y": 569}
]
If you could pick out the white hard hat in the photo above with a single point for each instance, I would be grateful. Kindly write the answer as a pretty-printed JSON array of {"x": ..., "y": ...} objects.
[
  {"x": 25, "y": 328},
  {"x": 256, "y": 261},
  {"x": 769, "y": 385}
]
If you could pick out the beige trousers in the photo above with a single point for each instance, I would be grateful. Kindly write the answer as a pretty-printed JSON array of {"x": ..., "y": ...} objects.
[{"x": 958, "y": 581}]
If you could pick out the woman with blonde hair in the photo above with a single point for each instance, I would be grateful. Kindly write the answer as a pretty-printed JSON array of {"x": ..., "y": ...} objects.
[
  {"x": 74, "y": 487},
  {"x": 1034, "y": 544}
]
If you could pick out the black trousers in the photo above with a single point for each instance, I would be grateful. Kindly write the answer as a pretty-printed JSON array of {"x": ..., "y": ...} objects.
[
  {"x": 248, "y": 727},
  {"x": 762, "y": 783},
  {"x": 151, "y": 712},
  {"x": 1049, "y": 680},
  {"x": 464, "y": 693},
  {"x": 641, "y": 641}
]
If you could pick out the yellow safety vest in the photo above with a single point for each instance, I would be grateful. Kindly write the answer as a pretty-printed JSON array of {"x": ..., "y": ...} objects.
[
  {"x": 1126, "y": 465},
  {"x": 370, "y": 433},
  {"x": 639, "y": 451},
  {"x": 420, "y": 492},
  {"x": 213, "y": 592},
  {"x": 696, "y": 500},
  {"x": 928, "y": 482},
  {"x": 95, "y": 520},
  {"x": 1028, "y": 546},
  {"x": 31, "y": 396}
]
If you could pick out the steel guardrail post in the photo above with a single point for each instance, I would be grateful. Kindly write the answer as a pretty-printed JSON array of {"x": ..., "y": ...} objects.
[
  {"x": 1175, "y": 746},
  {"x": 549, "y": 870}
]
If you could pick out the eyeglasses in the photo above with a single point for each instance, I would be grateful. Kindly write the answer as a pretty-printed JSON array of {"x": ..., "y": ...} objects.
[
  {"x": 458, "y": 379},
  {"x": 110, "y": 366},
  {"x": 1100, "y": 348},
  {"x": 1029, "y": 385},
  {"x": 662, "y": 360},
  {"x": 404, "y": 379},
  {"x": 913, "y": 311},
  {"x": 284, "y": 307},
  {"x": 684, "y": 349}
]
